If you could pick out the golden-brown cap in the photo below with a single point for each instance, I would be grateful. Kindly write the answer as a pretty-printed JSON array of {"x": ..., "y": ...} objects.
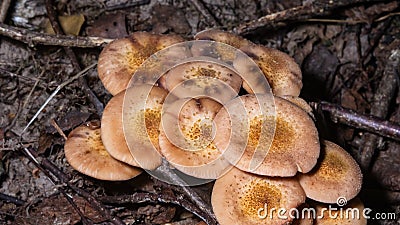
[
  {"x": 239, "y": 197},
  {"x": 201, "y": 78},
  {"x": 284, "y": 142},
  {"x": 350, "y": 214},
  {"x": 282, "y": 72},
  {"x": 141, "y": 123},
  {"x": 120, "y": 59},
  {"x": 85, "y": 152},
  {"x": 337, "y": 175},
  {"x": 189, "y": 147},
  {"x": 112, "y": 132}
]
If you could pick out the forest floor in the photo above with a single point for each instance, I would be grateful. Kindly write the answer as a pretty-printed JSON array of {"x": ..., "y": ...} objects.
[{"x": 349, "y": 56}]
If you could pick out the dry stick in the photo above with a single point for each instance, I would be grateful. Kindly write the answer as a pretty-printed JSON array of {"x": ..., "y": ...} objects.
[
  {"x": 58, "y": 30},
  {"x": 153, "y": 198},
  {"x": 4, "y": 10},
  {"x": 351, "y": 118},
  {"x": 380, "y": 107},
  {"x": 205, "y": 12},
  {"x": 32, "y": 156},
  {"x": 299, "y": 13},
  {"x": 33, "y": 38},
  {"x": 63, "y": 179},
  {"x": 11, "y": 199},
  {"x": 165, "y": 170}
]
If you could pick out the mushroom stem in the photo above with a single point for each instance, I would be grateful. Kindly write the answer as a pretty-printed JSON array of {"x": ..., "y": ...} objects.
[{"x": 165, "y": 170}]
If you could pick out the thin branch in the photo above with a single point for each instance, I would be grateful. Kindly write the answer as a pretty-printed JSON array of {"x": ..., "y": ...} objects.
[
  {"x": 296, "y": 14},
  {"x": 33, "y": 38},
  {"x": 351, "y": 118},
  {"x": 58, "y": 30},
  {"x": 11, "y": 199},
  {"x": 4, "y": 10}
]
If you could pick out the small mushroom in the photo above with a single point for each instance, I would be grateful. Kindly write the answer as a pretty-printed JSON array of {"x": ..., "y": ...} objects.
[
  {"x": 337, "y": 175},
  {"x": 186, "y": 139},
  {"x": 112, "y": 132},
  {"x": 282, "y": 142},
  {"x": 141, "y": 116},
  {"x": 202, "y": 79},
  {"x": 85, "y": 152},
  {"x": 282, "y": 72},
  {"x": 120, "y": 59},
  {"x": 239, "y": 197},
  {"x": 350, "y": 214}
]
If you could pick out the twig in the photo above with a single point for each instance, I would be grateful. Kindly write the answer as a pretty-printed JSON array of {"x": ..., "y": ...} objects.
[
  {"x": 33, "y": 38},
  {"x": 59, "y": 130},
  {"x": 351, "y": 118},
  {"x": 11, "y": 199},
  {"x": 55, "y": 92},
  {"x": 45, "y": 166},
  {"x": 205, "y": 12},
  {"x": 296, "y": 14},
  {"x": 380, "y": 107},
  {"x": 127, "y": 5},
  {"x": 4, "y": 10},
  {"x": 58, "y": 30},
  {"x": 154, "y": 198},
  {"x": 165, "y": 170}
]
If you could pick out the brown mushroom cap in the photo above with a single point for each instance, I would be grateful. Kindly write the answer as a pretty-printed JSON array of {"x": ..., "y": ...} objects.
[
  {"x": 282, "y": 72},
  {"x": 191, "y": 150},
  {"x": 85, "y": 152},
  {"x": 352, "y": 214},
  {"x": 337, "y": 175},
  {"x": 112, "y": 132},
  {"x": 292, "y": 146},
  {"x": 121, "y": 58},
  {"x": 200, "y": 78},
  {"x": 239, "y": 197},
  {"x": 141, "y": 123}
]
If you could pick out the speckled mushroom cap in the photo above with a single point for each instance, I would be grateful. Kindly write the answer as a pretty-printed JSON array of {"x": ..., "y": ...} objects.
[
  {"x": 243, "y": 198},
  {"x": 352, "y": 214},
  {"x": 191, "y": 148},
  {"x": 85, "y": 152},
  {"x": 141, "y": 118},
  {"x": 203, "y": 78},
  {"x": 337, "y": 175},
  {"x": 121, "y": 58},
  {"x": 282, "y": 72},
  {"x": 112, "y": 132},
  {"x": 294, "y": 147}
]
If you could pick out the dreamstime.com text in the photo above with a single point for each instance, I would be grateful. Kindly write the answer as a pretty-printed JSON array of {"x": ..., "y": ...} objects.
[{"x": 330, "y": 211}]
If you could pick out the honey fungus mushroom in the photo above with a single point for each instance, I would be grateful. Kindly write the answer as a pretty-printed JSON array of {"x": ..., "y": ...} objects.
[
  {"x": 239, "y": 197},
  {"x": 282, "y": 72},
  {"x": 85, "y": 152},
  {"x": 122, "y": 57},
  {"x": 337, "y": 175},
  {"x": 293, "y": 146},
  {"x": 202, "y": 78},
  {"x": 186, "y": 138},
  {"x": 141, "y": 116}
]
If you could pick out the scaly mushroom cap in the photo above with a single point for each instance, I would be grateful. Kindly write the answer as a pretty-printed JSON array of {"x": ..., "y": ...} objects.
[
  {"x": 190, "y": 147},
  {"x": 201, "y": 79},
  {"x": 85, "y": 152},
  {"x": 337, "y": 175},
  {"x": 112, "y": 132},
  {"x": 352, "y": 214},
  {"x": 244, "y": 198},
  {"x": 120, "y": 59},
  {"x": 141, "y": 118},
  {"x": 292, "y": 146},
  {"x": 282, "y": 72}
]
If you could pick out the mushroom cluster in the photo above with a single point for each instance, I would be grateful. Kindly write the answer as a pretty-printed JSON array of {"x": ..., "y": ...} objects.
[{"x": 215, "y": 118}]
